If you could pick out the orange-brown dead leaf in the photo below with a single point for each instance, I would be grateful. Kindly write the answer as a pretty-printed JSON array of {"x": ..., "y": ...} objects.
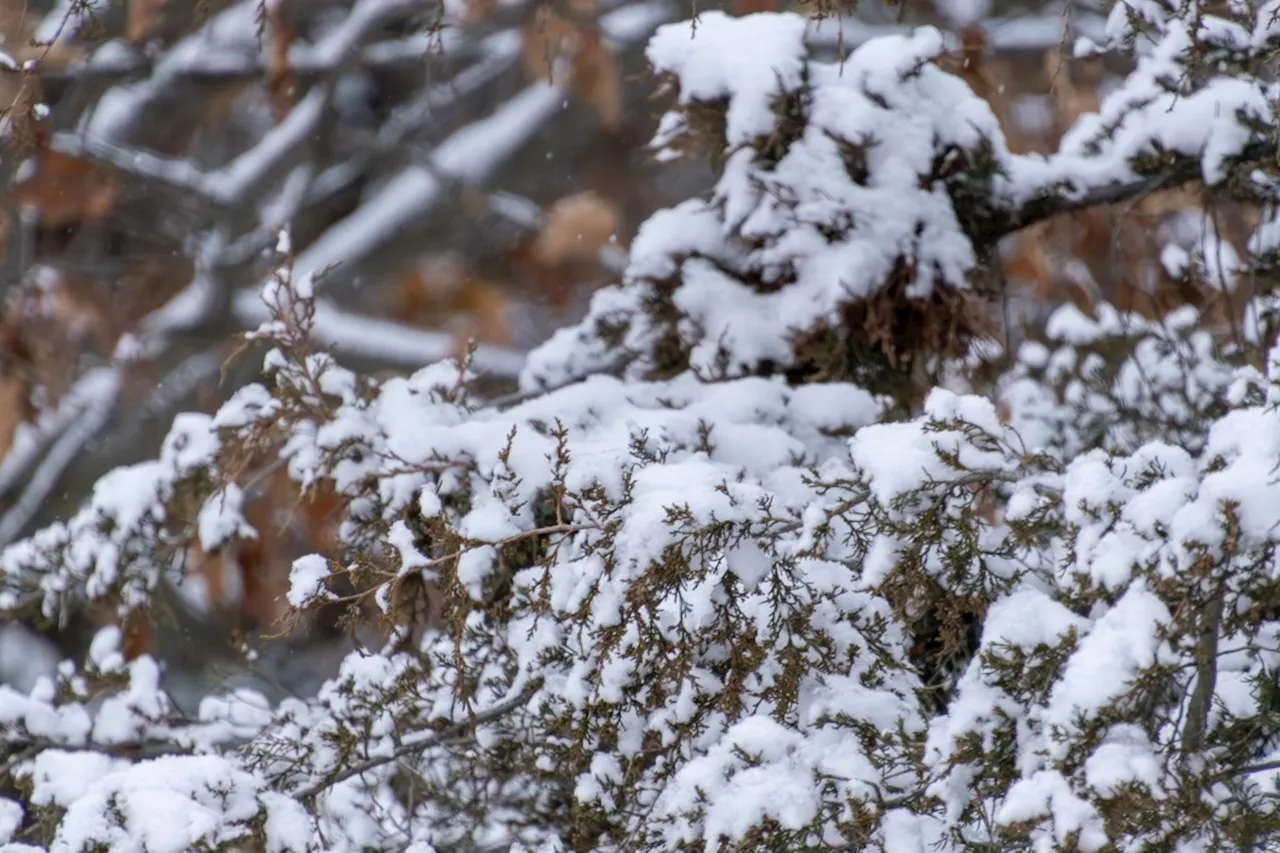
[
  {"x": 208, "y": 568},
  {"x": 566, "y": 251},
  {"x": 66, "y": 190},
  {"x": 279, "y": 74},
  {"x": 1028, "y": 266},
  {"x": 741, "y": 8},
  {"x": 62, "y": 316},
  {"x": 246, "y": 581},
  {"x": 44, "y": 331},
  {"x": 576, "y": 227},
  {"x": 444, "y": 294},
  {"x": 18, "y": 372},
  {"x": 485, "y": 317},
  {"x": 987, "y": 80},
  {"x": 141, "y": 18},
  {"x": 572, "y": 53},
  {"x": 596, "y": 78},
  {"x": 264, "y": 573},
  {"x": 548, "y": 39},
  {"x": 1068, "y": 101},
  {"x": 478, "y": 10},
  {"x": 14, "y": 21},
  {"x": 15, "y": 402},
  {"x": 290, "y": 524}
]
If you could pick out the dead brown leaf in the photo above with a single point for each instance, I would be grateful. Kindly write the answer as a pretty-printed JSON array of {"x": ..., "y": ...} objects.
[
  {"x": 478, "y": 10},
  {"x": 53, "y": 322},
  {"x": 572, "y": 53},
  {"x": 546, "y": 42},
  {"x": 279, "y": 74},
  {"x": 445, "y": 294},
  {"x": 141, "y": 18},
  {"x": 741, "y": 8},
  {"x": 596, "y": 79},
  {"x": 66, "y": 190},
  {"x": 576, "y": 227},
  {"x": 1068, "y": 101},
  {"x": 246, "y": 581},
  {"x": 15, "y": 390},
  {"x": 565, "y": 253}
]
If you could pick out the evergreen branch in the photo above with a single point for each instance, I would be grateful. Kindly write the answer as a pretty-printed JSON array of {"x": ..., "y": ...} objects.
[
  {"x": 1246, "y": 769},
  {"x": 1054, "y": 201},
  {"x": 428, "y": 740}
]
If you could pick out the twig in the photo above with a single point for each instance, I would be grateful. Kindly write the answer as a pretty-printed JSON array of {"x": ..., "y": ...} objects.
[
  {"x": 383, "y": 340},
  {"x": 427, "y": 740},
  {"x": 517, "y": 397},
  {"x": 135, "y": 751},
  {"x": 1246, "y": 769}
]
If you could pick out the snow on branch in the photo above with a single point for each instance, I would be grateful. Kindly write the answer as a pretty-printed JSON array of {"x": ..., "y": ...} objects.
[{"x": 749, "y": 562}]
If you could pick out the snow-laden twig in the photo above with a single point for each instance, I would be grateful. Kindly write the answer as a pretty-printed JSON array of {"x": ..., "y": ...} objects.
[
  {"x": 384, "y": 340},
  {"x": 425, "y": 740}
]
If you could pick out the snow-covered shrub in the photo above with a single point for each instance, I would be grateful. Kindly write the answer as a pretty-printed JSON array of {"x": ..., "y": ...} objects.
[
  {"x": 834, "y": 246},
  {"x": 729, "y": 573}
]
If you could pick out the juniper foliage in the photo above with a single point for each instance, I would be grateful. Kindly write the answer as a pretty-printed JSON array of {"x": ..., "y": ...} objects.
[{"x": 753, "y": 561}]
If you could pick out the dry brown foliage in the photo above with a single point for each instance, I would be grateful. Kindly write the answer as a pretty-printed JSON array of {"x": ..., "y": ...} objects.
[
  {"x": 279, "y": 76},
  {"x": 596, "y": 78},
  {"x": 137, "y": 635},
  {"x": 53, "y": 321},
  {"x": 141, "y": 18},
  {"x": 444, "y": 293},
  {"x": 59, "y": 316},
  {"x": 741, "y": 8},
  {"x": 20, "y": 92},
  {"x": 16, "y": 382},
  {"x": 1068, "y": 100},
  {"x": 568, "y": 50},
  {"x": 246, "y": 580},
  {"x": 65, "y": 190},
  {"x": 1109, "y": 253},
  {"x": 478, "y": 10},
  {"x": 548, "y": 41},
  {"x": 565, "y": 252},
  {"x": 987, "y": 79},
  {"x": 46, "y": 328},
  {"x": 576, "y": 227}
]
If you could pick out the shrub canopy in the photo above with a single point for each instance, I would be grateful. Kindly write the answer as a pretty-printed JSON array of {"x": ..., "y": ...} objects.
[{"x": 777, "y": 549}]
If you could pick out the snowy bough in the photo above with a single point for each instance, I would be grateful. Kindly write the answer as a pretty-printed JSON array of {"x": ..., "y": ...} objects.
[{"x": 753, "y": 560}]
